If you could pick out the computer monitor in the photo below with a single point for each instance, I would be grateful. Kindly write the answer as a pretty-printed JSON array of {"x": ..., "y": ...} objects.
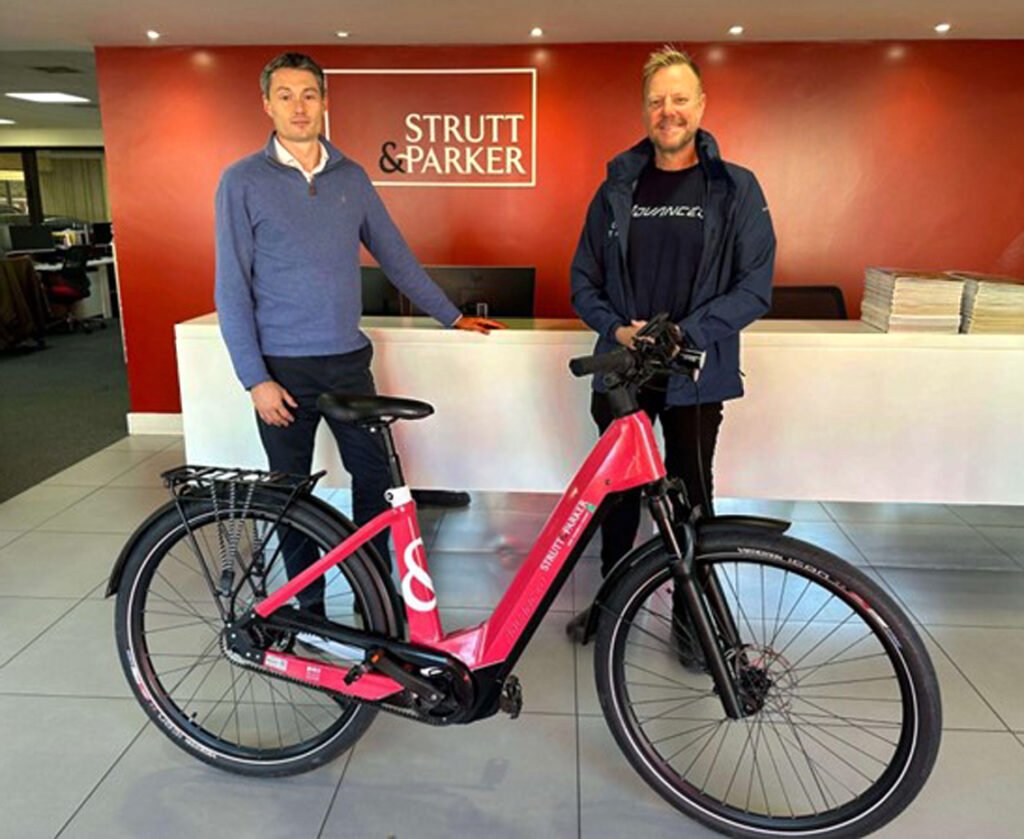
[
  {"x": 31, "y": 237},
  {"x": 101, "y": 233},
  {"x": 379, "y": 296},
  {"x": 485, "y": 291}
]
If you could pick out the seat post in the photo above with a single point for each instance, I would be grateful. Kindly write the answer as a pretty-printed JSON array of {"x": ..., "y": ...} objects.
[{"x": 394, "y": 464}]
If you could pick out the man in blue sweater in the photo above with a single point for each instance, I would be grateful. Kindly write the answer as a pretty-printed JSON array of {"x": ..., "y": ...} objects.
[
  {"x": 674, "y": 229},
  {"x": 290, "y": 219}
]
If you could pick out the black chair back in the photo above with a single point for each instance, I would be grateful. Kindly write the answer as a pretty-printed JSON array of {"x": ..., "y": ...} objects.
[
  {"x": 807, "y": 302},
  {"x": 74, "y": 271}
]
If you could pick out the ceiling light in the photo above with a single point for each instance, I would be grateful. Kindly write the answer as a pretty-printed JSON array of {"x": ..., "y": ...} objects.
[
  {"x": 735, "y": 30},
  {"x": 6, "y": 121},
  {"x": 942, "y": 28},
  {"x": 536, "y": 32},
  {"x": 341, "y": 34},
  {"x": 152, "y": 34},
  {"x": 48, "y": 98}
]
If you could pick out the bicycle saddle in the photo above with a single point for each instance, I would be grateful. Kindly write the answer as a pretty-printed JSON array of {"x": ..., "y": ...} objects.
[{"x": 347, "y": 408}]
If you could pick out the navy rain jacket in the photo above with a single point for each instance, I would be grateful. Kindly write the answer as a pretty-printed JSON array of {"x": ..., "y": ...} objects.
[{"x": 733, "y": 284}]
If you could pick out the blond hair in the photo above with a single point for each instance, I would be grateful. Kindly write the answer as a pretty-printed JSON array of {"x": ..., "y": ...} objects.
[{"x": 669, "y": 56}]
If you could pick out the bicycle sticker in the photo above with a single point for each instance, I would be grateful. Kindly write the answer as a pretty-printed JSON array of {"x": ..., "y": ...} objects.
[{"x": 418, "y": 573}]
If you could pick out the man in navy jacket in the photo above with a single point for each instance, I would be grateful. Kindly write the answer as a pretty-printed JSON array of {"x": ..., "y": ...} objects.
[{"x": 674, "y": 229}]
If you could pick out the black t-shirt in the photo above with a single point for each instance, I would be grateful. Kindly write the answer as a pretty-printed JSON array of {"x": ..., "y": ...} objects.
[{"x": 666, "y": 237}]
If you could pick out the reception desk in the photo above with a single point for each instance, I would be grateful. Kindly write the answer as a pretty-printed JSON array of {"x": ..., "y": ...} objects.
[{"x": 834, "y": 410}]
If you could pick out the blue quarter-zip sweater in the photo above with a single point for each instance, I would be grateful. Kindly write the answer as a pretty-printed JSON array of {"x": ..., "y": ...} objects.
[{"x": 287, "y": 280}]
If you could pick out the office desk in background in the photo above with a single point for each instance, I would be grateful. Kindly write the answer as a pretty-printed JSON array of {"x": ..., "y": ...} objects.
[{"x": 99, "y": 301}]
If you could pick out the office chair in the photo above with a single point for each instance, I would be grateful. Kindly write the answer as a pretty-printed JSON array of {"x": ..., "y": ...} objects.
[
  {"x": 807, "y": 302},
  {"x": 67, "y": 287}
]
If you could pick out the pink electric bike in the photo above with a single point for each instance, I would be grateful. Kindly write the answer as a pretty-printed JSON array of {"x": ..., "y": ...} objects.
[{"x": 759, "y": 684}]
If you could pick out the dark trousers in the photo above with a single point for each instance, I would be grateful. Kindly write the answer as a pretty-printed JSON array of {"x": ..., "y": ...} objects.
[
  {"x": 691, "y": 432},
  {"x": 290, "y": 449}
]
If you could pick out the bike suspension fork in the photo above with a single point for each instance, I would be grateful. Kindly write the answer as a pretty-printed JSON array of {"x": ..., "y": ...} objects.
[{"x": 687, "y": 584}]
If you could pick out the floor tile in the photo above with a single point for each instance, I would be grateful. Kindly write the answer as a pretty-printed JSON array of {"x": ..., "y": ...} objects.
[
  {"x": 962, "y": 706},
  {"x": 480, "y": 580},
  {"x": 36, "y": 505},
  {"x": 7, "y": 536},
  {"x": 147, "y": 473},
  {"x": 960, "y": 598},
  {"x": 494, "y": 778},
  {"x": 488, "y": 530},
  {"x": 828, "y": 536},
  {"x": 56, "y": 750},
  {"x": 157, "y": 790},
  {"x": 96, "y": 470},
  {"x": 75, "y": 657},
  {"x": 974, "y": 790},
  {"x": 145, "y": 442},
  {"x": 615, "y": 801},
  {"x": 891, "y": 513},
  {"x": 43, "y": 564},
  {"x": 23, "y": 618},
  {"x": 926, "y": 546},
  {"x": 546, "y": 667},
  {"x": 108, "y": 510},
  {"x": 786, "y": 510},
  {"x": 989, "y": 659},
  {"x": 1009, "y": 539},
  {"x": 994, "y": 514}
]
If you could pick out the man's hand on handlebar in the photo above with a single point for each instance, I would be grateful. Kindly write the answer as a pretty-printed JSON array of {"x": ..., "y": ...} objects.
[{"x": 626, "y": 335}]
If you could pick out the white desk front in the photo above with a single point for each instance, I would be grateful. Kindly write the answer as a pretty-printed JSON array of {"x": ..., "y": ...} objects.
[{"x": 834, "y": 410}]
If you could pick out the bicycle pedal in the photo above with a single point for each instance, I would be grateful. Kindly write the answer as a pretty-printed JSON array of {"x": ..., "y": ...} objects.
[
  {"x": 511, "y": 699},
  {"x": 355, "y": 674}
]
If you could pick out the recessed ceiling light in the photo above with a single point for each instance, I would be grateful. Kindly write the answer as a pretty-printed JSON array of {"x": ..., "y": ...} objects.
[
  {"x": 341, "y": 33},
  {"x": 536, "y": 32},
  {"x": 152, "y": 34},
  {"x": 735, "y": 30},
  {"x": 48, "y": 98},
  {"x": 7, "y": 122},
  {"x": 942, "y": 28}
]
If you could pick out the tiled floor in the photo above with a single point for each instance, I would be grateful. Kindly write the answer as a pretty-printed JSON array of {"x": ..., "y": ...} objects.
[{"x": 79, "y": 759}]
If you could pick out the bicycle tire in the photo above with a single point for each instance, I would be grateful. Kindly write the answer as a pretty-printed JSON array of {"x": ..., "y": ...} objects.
[
  {"x": 167, "y": 627},
  {"x": 805, "y": 762}
]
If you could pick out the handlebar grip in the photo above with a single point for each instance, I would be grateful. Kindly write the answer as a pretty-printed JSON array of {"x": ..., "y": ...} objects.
[{"x": 617, "y": 361}]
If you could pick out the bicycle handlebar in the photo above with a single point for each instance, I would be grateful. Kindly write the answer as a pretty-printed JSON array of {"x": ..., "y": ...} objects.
[{"x": 657, "y": 348}]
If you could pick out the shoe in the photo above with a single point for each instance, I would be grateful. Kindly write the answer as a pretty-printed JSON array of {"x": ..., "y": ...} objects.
[
  {"x": 685, "y": 644},
  {"x": 576, "y": 629}
]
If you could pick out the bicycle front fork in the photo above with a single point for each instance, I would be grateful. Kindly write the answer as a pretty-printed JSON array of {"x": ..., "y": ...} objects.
[{"x": 703, "y": 598}]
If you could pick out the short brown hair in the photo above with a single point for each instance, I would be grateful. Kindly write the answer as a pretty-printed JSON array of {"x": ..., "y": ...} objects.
[
  {"x": 292, "y": 61},
  {"x": 669, "y": 56}
]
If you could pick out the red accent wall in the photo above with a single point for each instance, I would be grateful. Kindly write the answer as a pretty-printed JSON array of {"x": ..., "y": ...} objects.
[{"x": 870, "y": 153}]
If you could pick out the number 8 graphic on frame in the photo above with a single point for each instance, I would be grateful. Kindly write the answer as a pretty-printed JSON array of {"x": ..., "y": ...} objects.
[{"x": 418, "y": 573}]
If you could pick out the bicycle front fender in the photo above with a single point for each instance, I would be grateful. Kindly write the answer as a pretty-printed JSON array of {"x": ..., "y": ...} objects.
[{"x": 709, "y": 525}]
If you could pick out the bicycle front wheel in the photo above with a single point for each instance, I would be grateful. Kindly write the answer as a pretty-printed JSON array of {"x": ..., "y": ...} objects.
[
  {"x": 843, "y": 711},
  {"x": 170, "y": 621}
]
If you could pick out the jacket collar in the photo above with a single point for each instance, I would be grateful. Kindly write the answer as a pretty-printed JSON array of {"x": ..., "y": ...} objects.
[
  {"x": 625, "y": 168},
  {"x": 334, "y": 157}
]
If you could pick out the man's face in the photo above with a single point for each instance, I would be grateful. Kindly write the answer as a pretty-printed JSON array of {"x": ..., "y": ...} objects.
[
  {"x": 295, "y": 105},
  {"x": 673, "y": 108}
]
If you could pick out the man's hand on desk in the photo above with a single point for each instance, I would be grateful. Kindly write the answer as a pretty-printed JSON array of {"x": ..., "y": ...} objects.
[
  {"x": 484, "y": 325},
  {"x": 271, "y": 401}
]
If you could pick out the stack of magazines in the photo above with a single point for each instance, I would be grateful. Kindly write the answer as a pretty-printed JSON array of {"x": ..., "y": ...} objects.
[
  {"x": 991, "y": 303},
  {"x": 898, "y": 300}
]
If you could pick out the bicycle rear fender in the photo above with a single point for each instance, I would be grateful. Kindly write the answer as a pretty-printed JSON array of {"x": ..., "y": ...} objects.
[{"x": 708, "y": 525}]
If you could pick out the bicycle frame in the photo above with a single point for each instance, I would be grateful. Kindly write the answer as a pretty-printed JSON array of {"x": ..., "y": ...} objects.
[{"x": 626, "y": 456}]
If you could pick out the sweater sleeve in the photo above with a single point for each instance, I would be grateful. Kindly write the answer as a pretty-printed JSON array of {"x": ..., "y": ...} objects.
[
  {"x": 587, "y": 275},
  {"x": 383, "y": 239},
  {"x": 236, "y": 306},
  {"x": 749, "y": 294}
]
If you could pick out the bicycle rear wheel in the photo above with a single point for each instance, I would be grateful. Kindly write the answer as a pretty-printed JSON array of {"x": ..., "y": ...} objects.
[
  {"x": 169, "y": 635},
  {"x": 845, "y": 715}
]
